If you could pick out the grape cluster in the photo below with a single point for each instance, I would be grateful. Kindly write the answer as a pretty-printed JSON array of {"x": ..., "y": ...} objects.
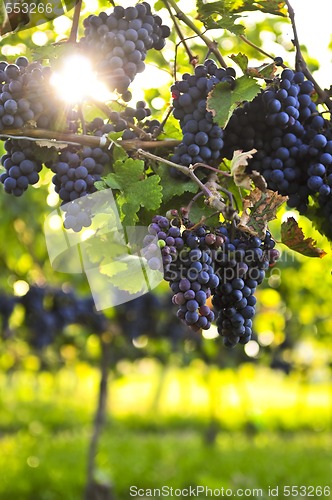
[
  {"x": 24, "y": 94},
  {"x": 76, "y": 170},
  {"x": 140, "y": 316},
  {"x": 202, "y": 139},
  {"x": 187, "y": 265},
  {"x": 21, "y": 164},
  {"x": 131, "y": 121},
  {"x": 293, "y": 142},
  {"x": 119, "y": 43},
  {"x": 49, "y": 311},
  {"x": 134, "y": 123},
  {"x": 242, "y": 262},
  {"x": 226, "y": 263}
]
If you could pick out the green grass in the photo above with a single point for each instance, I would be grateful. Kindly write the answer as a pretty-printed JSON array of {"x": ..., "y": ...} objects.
[
  {"x": 49, "y": 466},
  {"x": 45, "y": 425}
]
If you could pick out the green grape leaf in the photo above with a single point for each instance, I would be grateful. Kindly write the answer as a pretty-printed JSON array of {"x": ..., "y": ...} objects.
[
  {"x": 241, "y": 60},
  {"x": 219, "y": 15},
  {"x": 147, "y": 194},
  {"x": 200, "y": 210},
  {"x": 118, "y": 273},
  {"x": 174, "y": 187},
  {"x": 158, "y": 5},
  {"x": 292, "y": 236},
  {"x": 90, "y": 111},
  {"x": 119, "y": 153},
  {"x": 51, "y": 52},
  {"x": 112, "y": 182},
  {"x": 224, "y": 14},
  {"x": 222, "y": 100},
  {"x": 100, "y": 185},
  {"x": 136, "y": 189},
  {"x": 259, "y": 208},
  {"x": 275, "y": 7},
  {"x": 171, "y": 129}
]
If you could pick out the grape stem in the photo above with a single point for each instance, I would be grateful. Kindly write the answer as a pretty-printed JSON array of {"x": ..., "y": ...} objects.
[
  {"x": 159, "y": 130},
  {"x": 81, "y": 116},
  {"x": 222, "y": 172},
  {"x": 74, "y": 27},
  {"x": 300, "y": 63},
  {"x": 34, "y": 134},
  {"x": 211, "y": 44},
  {"x": 213, "y": 198},
  {"x": 192, "y": 59},
  {"x": 192, "y": 201},
  {"x": 214, "y": 186},
  {"x": 259, "y": 49}
]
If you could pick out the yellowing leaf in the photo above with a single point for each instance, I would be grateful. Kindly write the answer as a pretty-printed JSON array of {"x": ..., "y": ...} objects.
[
  {"x": 292, "y": 236},
  {"x": 238, "y": 168}
]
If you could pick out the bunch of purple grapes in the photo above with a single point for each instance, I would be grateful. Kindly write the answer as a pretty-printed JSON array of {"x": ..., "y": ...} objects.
[
  {"x": 242, "y": 262},
  {"x": 119, "y": 43},
  {"x": 21, "y": 164},
  {"x": 25, "y": 95},
  {"x": 187, "y": 264},
  {"x": 198, "y": 262},
  {"x": 202, "y": 138},
  {"x": 133, "y": 122},
  {"x": 293, "y": 143}
]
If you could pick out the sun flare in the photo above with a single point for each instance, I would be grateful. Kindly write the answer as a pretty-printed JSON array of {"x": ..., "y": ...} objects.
[{"x": 76, "y": 81}]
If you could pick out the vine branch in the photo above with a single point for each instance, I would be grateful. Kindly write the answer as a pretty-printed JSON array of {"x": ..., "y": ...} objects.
[
  {"x": 192, "y": 59},
  {"x": 158, "y": 131},
  {"x": 300, "y": 64},
  {"x": 33, "y": 134},
  {"x": 76, "y": 17},
  {"x": 213, "y": 198},
  {"x": 253, "y": 45},
  {"x": 212, "y": 45}
]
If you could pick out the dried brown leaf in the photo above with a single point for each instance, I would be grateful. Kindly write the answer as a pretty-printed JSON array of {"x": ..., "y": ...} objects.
[
  {"x": 241, "y": 177},
  {"x": 259, "y": 208},
  {"x": 292, "y": 236},
  {"x": 238, "y": 168}
]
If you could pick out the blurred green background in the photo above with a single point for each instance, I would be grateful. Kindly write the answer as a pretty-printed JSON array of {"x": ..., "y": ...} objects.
[{"x": 181, "y": 411}]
